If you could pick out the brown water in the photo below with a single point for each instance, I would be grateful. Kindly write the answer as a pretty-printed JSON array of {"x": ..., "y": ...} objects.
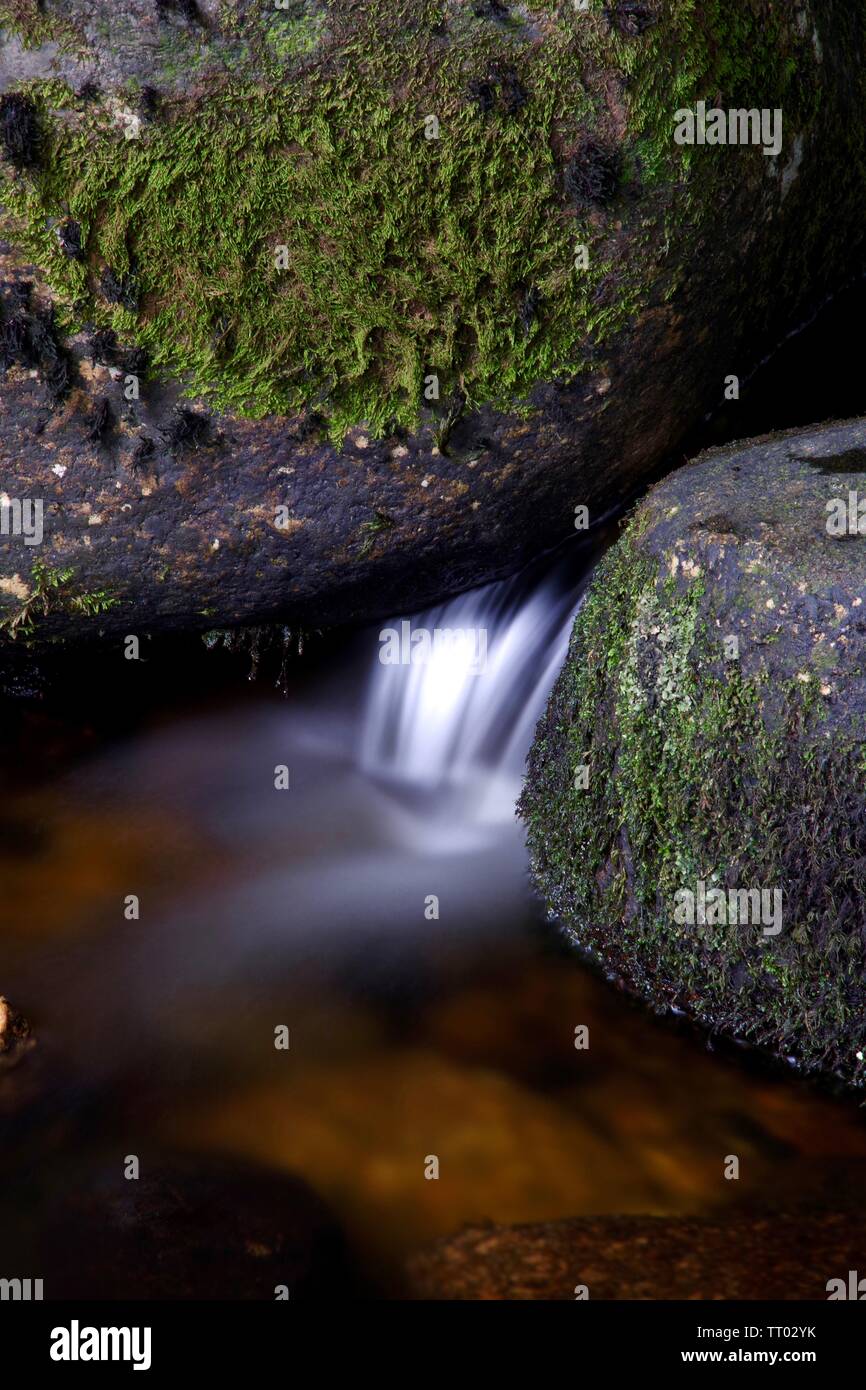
[{"x": 409, "y": 1037}]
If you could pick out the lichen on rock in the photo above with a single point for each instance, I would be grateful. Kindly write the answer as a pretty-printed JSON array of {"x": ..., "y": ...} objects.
[
  {"x": 711, "y": 855},
  {"x": 440, "y": 262},
  {"x": 403, "y": 255}
]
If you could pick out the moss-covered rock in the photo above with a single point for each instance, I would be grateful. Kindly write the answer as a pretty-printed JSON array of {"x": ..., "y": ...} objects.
[
  {"x": 696, "y": 795},
  {"x": 440, "y": 262}
]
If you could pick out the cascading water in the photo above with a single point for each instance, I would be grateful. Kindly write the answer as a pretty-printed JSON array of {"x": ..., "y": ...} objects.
[
  {"x": 379, "y": 909},
  {"x": 403, "y": 790},
  {"x": 457, "y": 708},
  {"x": 413, "y": 1030}
]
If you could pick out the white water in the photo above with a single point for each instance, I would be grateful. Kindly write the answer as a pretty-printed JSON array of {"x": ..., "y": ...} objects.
[
  {"x": 403, "y": 782},
  {"x": 443, "y": 719}
]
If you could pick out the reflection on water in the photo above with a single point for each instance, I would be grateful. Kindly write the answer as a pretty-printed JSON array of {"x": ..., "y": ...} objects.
[{"x": 412, "y": 1033}]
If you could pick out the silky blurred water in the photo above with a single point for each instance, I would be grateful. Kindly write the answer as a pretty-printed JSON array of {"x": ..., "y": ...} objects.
[
  {"x": 413, "y": 1032},
  {"x": 402, "y": 784}
]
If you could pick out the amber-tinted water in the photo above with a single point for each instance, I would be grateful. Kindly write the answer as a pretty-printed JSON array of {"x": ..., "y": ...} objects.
[{"x": 410, "y": 1035}]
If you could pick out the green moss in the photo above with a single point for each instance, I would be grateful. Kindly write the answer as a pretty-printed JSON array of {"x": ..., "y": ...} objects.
[
  {"x": 373, "y": 529},
  {"x": 700, "y": 773},
  {"x": 29, "y": 21},
  {"x": 405, "y": 256},
  {"x": 294, "y": 32}
]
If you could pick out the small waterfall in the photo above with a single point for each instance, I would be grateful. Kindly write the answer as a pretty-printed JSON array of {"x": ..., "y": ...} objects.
[{"x": 456, "y": 691}]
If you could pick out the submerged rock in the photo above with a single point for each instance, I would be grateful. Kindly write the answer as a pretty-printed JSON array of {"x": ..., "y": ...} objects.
[
  {"x": 16, "y": 1037},
  {"x": 757, "y": 1255},
  {"x": 695, "y": 798},
  {"x": 25, "y": 1099},
  {"x": 430, "y": 276},
  {"x": 190, "y": 1227}
]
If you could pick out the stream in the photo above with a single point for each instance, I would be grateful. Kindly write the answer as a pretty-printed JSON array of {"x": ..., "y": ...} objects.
[{"x": 378, "y": 908}]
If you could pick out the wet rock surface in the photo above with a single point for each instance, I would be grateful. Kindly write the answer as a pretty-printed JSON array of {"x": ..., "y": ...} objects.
[
  {"x": 760, "y": 1256},
  {"x": 187, "y": 1228},
  {"x": 175, "y": 524},
  {"x": 710, "y": 852},
  {"x": 16, "y": 1036}
]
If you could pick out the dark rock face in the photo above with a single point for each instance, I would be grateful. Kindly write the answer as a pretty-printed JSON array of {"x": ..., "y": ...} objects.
[
  {"x": 754, "y": 1255},
  {"x": 19, "y": 130},
  {"x": 695, "y": 798},
  {"x": 190, "y": 1228},
  {"x": 560, "y": 386}
]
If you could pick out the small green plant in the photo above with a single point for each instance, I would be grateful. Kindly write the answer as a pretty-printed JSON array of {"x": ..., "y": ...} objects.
[
  {"x": 49, "y": 594},
  {"x": 92, "y": 604},
  {"x": 381, "y": 522}
]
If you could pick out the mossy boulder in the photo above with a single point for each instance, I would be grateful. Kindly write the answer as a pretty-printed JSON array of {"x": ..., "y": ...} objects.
[
  {"x": 436, "y": 273},
  {"x": 696, "y": 792}
]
